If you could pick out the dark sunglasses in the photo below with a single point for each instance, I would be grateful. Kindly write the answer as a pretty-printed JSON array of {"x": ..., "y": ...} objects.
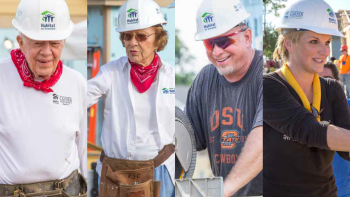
[
  {"x": 344, "y": 50},
  {"x": 138, "y": 36},
  {"x": 222, "y": 42}
]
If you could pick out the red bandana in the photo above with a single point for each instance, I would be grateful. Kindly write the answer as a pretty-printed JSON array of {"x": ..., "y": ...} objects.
[
  {"x": 28, "y": 80},
  {"x": 142, "y": 77}
]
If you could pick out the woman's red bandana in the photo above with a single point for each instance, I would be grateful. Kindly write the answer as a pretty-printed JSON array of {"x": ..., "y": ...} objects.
[
  {"x": 143, "y": 77},
  {"x": 28, "y": 80}
]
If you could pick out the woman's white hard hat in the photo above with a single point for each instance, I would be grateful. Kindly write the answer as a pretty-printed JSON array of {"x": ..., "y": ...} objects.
[
  {"x": 216, "y": 17},
  {"x": 313, "y": 15},
  {"x": 139, "y": 14},
  {"x": 43, "y": 19}
]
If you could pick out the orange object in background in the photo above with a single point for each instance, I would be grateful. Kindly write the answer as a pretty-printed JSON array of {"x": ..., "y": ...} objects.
[{"x": 93, "y": 109}]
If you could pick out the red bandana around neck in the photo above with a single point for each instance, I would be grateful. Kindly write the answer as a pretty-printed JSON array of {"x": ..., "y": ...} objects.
[
  {"x": 142, "y": 77},
  {"x": 28, "y": 80}
]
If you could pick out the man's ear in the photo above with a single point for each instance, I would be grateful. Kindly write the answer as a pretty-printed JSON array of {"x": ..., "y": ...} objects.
[
  {"x": 20, "y": 41},
  {"x": 248, "y": 37}
]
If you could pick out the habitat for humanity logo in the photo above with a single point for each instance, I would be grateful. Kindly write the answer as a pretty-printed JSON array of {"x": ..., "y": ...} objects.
[
  {"x": 208, "y": 21},
  {"x": 48, "y": 21},
  {"x": 132, "y": 16},
  {"x": 294, "y": 15},
  {"x": 65, "y": 100},
  {"x": 168, "y": 90},
  {"x": 332, "y": 15}
]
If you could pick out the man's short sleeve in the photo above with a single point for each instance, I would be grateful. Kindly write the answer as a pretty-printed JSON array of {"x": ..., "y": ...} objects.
[
  {"x": 194, "y": 112},
  {"x": 258, "y": 119}
]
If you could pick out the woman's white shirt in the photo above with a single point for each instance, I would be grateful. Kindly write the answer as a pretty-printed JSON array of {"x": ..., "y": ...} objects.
[
  {"x": 147, "y": 136},
  {"x": 120, "y": 131}
]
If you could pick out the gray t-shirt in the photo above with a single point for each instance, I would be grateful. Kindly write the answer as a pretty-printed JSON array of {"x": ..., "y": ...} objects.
[{"x": 224, "y": 113}]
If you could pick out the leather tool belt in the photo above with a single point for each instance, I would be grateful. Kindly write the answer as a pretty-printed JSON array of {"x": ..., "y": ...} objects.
[
  {"x": 130, "y": 178},
  {"x": 72, "y": 186}
]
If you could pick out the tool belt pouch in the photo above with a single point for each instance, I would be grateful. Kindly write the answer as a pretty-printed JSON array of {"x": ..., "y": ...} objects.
[{"x": 125, "y": 178}]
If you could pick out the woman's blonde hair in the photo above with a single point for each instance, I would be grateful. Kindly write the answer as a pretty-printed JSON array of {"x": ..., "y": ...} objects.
[
  {"x": 160, "y": 41},
  {"x": 281, "y": 50}
]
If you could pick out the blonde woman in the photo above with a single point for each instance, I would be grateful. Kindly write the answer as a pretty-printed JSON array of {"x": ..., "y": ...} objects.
[{"x": 306, "y": 118}]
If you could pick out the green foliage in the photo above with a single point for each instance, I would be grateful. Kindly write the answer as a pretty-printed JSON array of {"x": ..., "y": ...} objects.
[
  {"x": 274, "y": 6},
  {"x": 270, "y": 34},
  {"x": 270, "y": 40},
  {"x": 184, "y": 78},
  {"x": 182, "y": 57}
]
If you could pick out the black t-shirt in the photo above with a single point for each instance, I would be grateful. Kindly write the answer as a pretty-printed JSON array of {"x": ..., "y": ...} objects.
[
  {"x": 297, "y": 160},
  {"x": 223, "y": 114}
]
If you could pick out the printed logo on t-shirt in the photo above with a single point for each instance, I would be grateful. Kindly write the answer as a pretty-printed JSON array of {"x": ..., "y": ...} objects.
[
  {"x": 64, "y": 100},
  {"x": 55, "y": 99},
  {"x": 221, "y": 122},
  {"x": 287, "y": 138},
  {"x": 168, "y": 90},
  {"x": 229, "y": 139}
]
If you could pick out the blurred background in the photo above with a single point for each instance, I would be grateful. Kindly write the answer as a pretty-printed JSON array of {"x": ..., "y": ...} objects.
[
  {"x": 73, "y": 54},
  {"x": 191, "y": 56}
]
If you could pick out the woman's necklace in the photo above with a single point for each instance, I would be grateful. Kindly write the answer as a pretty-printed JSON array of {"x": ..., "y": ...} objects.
[{"x": 316, "y": 100}]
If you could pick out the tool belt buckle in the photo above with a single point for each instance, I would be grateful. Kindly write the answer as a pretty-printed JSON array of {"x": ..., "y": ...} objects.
[
  {"x": 19, "y": 190},
  {"x": 58, "y": 185}
]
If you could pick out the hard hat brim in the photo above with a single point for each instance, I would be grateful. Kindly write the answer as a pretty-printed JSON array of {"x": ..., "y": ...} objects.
[
  {"x": 61, "y": 35},
  {"x": 320, "y": 30},
  {"x": 138, "y": 27}
]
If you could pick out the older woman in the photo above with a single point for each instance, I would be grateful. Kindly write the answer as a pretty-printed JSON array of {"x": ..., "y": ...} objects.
[
  {"x": 139, "y": 123},
  {"x": 306, "y": 118}
]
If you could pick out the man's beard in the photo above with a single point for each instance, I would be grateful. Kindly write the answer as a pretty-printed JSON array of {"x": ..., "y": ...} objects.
[{"x": 224, "y": 70}]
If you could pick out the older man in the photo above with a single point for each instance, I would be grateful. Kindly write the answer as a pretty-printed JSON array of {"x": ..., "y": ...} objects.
[
  {"x": 43, "y": 107},
  {"x": 224, "y": 102}
]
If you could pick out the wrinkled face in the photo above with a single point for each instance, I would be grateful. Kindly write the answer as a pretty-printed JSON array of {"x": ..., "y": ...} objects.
[
  {"x": 141, "y": 52},
  {"x": 232, "y": 59},
  {"x": 42, "y": 56},
  {"x": 310, "y": 52}
]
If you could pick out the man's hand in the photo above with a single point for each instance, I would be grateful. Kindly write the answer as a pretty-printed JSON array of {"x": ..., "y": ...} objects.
[{"x": 249, "y": 164}]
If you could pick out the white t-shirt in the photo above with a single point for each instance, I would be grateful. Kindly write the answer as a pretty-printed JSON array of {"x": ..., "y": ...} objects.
[{"x": 42, "y": 135}]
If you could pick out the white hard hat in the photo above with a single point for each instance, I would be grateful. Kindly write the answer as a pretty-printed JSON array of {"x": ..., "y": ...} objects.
[
  {"x": 43, "y": 19},
  {"x": 172, "y": 5},
  {"x": 313, "y": 15},
  {"x": 215, "y": 17},
  {"x": 139, "y": 14}
]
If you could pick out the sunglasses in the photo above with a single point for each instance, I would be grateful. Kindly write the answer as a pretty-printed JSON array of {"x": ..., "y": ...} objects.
[
  {"x": 344, "y": 50},
  {"x": 222, "y": 42},
  {"x": 138, "y": 36}
]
